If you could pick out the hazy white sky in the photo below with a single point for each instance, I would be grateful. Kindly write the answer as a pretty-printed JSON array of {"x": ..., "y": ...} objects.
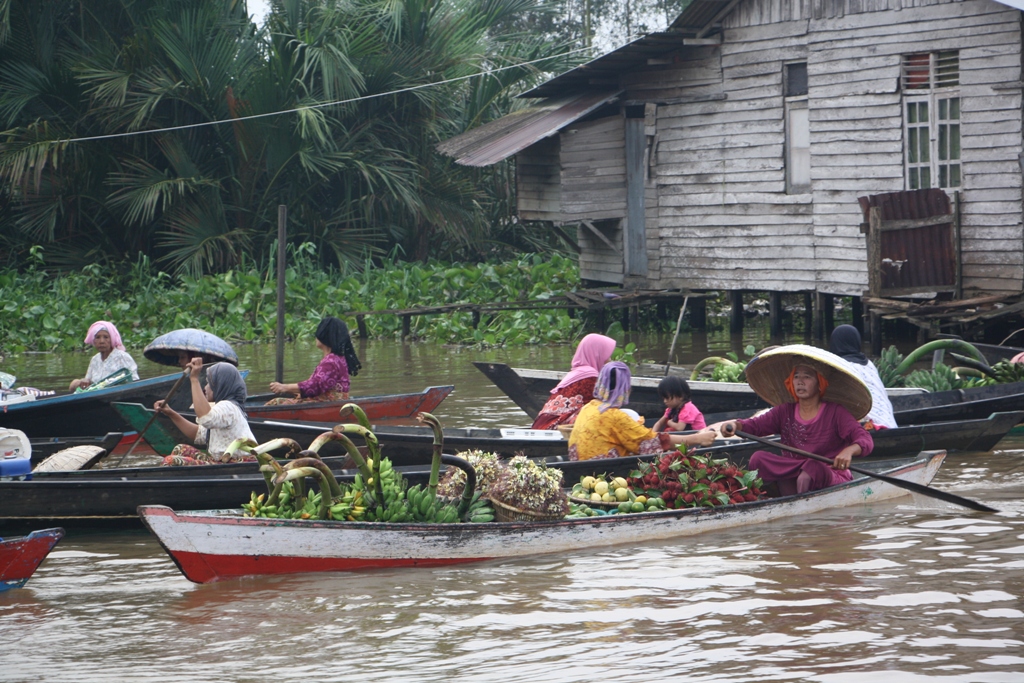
[{"x": 258, "y": 9}]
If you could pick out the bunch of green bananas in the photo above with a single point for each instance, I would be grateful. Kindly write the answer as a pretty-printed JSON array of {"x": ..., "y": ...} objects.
[
  {"x": 480, "y": 510},
  {"x": 1005, "y": 372},
  {"x": 427, "y": 507},
  {"x": 887, "y": 364},
  {"x": 940, "y": 378},
  {"x": 291, "y": 504}
]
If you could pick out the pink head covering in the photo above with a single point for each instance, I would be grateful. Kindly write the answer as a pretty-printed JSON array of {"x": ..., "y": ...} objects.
[
  {"x": 592, "y": 353},
  {"x": 115, "y": 336}
]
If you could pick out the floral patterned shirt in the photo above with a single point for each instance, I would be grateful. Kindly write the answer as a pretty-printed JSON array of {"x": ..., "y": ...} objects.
[
  {"x": 612, "y": 434},
  {"x": 562, "y": 406},
  {"x": 331, "y": 374},
  {"x": 223, "y": 424}
]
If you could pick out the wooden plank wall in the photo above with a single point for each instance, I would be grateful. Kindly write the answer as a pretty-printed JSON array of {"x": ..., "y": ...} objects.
[
  {"x": 725, "y": 220},
  {"x": 723, "y": 217},
  {"x": 539, "y": 182},
  {"x": 597, "y": 261},
  {"x": 594, "y": 170}
]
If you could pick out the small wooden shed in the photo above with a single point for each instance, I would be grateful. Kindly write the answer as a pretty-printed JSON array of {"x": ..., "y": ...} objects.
[{"x": 734, "y": 150}]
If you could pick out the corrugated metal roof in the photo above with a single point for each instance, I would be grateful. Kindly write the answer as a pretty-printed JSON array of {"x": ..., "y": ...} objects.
[
  {"x": 500, "y": 139},
  {"x": 697, "y": 18}
]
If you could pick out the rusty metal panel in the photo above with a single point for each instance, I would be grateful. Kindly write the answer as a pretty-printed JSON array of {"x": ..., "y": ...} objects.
[
  {"x": 500, "y": 139},
  {"x": 910, "y": 253}
]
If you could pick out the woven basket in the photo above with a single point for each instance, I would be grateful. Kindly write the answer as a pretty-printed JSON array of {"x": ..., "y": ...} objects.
[
  {"x": 507, "y": 513},
  {"x": 566, "y": 431}
]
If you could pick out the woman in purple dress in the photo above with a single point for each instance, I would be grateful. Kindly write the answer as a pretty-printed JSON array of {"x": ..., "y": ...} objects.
[
  {"x": 811, "y": 424},
  {"x": 330, "y": 380}
]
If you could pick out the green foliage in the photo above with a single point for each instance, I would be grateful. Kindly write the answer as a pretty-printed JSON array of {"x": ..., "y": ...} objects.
[
  {"x": 42, "y": 312},
  {"x": 626, "y": 355}
]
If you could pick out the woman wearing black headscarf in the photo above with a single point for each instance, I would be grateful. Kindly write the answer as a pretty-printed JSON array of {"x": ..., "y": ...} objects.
[
  {"x": 845, "y": 342},
  {"x": 220, "y": 416},
  {"x": 329, "y": 382}
]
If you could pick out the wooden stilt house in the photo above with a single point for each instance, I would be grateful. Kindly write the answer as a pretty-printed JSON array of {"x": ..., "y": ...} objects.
[{"x": 748, "y": 146}]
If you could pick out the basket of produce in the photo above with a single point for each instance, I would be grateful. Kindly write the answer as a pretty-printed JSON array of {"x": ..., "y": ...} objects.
[
  {"x": 566, "y": 431},
  {"x": 536, "y": 490},
  {"x": 601, "y": 493},
  {"x": 507, "y": 513}
]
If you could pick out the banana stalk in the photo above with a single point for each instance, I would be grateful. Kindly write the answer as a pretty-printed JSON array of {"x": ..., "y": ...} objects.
[
  {"x": 352, "y": 409},
  {"x": 968, "y": 372},
  {"x": 980, "y": 369},
  {"x": 932, "y": 346},
  {"x": 326, "y": 437},
  {"x": 324, "y": 470},
  {"x": 269, "y": 467},
  {"x": 243, "y": 444},
  {"x": 342, "y": 431},
  {"x": 274, "y": 444},
  {"x": 435, "y": 463},
  {"x": 713, "y": 360},
  {"x": 299, "y": 473}
]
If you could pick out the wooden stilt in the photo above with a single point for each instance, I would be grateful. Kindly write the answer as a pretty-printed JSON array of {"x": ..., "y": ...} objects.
[
  {"x": 736, "y": 316},
  {"x": 775, "y": 314},
  {"x": 828, "y": 312},
  {"x": 876, "y": 333},
  {"x": 699, "y": 314},
  {"x": 361, "y": 326},
  {"x": 857, "y": 311},
  {"x": 406, "y": 326},
  {"x": 818, "y": 319},
  {"x": 808, "y": 315},
  {"x": 634, "y": 318},
  {"x": 476, "y": 319}
]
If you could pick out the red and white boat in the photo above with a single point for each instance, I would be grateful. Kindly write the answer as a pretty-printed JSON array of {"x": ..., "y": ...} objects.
[
  {"x": 19, "y": 557},
  {"x": 214, "y": 545}
]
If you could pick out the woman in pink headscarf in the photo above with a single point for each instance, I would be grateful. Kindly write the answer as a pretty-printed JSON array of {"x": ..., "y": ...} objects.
[
  {"x": 577, "y": 388},
  {"x": 111, "y": 357}
]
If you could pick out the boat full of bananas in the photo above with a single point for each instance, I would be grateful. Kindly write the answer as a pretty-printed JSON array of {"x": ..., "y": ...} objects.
[{"x": 378, "y": 493}]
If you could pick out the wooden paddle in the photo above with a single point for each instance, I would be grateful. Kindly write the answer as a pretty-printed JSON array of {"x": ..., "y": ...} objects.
[
  {"x": 909, "y": 485},
  {"x": 167, "y": 398}
]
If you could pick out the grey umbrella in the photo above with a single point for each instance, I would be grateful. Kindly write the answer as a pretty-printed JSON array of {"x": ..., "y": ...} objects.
[{"x": 164, "y": 349}]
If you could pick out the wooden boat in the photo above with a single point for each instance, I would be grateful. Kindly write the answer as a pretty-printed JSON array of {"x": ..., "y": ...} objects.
[
  {"x": 380, "y": 407},
  {"x": 215, "y": 545},
  {"x": 87, "y": 413},
  {"x": 529, "y": 389},
  {"x": 408, "y": 446},
  {"x": 112, "y": 495},
  {"x": 19, "y": 557}
]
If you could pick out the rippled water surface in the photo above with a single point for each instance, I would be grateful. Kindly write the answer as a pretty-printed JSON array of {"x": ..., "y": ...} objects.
[{"x": 912, "y": 590}]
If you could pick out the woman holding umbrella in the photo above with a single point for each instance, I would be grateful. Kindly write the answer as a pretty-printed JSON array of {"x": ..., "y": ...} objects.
[{"x": 817, "y": 401}]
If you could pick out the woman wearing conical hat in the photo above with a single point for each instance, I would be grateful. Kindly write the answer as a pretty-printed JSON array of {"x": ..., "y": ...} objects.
[{"x": 812, "y": 412}]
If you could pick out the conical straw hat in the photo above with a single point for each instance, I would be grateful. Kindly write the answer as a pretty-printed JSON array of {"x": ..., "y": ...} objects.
[{"x": 767, "y": 373}]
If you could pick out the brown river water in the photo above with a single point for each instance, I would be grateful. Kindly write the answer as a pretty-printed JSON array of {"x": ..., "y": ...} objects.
[{"x": 911, "y": 590}]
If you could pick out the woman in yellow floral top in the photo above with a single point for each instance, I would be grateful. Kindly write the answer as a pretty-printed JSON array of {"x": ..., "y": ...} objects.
[{"x": 602, "y": 430}]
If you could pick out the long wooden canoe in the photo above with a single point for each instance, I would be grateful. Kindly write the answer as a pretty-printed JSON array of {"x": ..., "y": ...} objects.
[
  {"x": 379, "y": 407},
  {"x": 87, "y": 413},
  {"x": 20, "y": 557},
  {"x": 529, "y": 389},
  {"x": 413, "y": 445},
  {"x": 216, "y": 545}
]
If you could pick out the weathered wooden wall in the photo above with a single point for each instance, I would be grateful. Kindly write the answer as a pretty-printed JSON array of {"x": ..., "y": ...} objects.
[
  {"x": 539, "y": 181},
  {"x": 723, "y": 216},
  {"x": 593, "y": 175}
]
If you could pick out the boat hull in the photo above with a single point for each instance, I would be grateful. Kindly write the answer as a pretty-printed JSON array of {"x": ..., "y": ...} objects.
[
  {"x": 20, "y": 557},
  {"x": 381, "y": 407},
  {"x": 529, "y": 389},
  {"x": 88, "y": 413},
  {"x": 212, "y": 546}
]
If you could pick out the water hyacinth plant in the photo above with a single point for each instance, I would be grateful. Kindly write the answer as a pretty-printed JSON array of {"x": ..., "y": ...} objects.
[{"x": 527, "y": 485}]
